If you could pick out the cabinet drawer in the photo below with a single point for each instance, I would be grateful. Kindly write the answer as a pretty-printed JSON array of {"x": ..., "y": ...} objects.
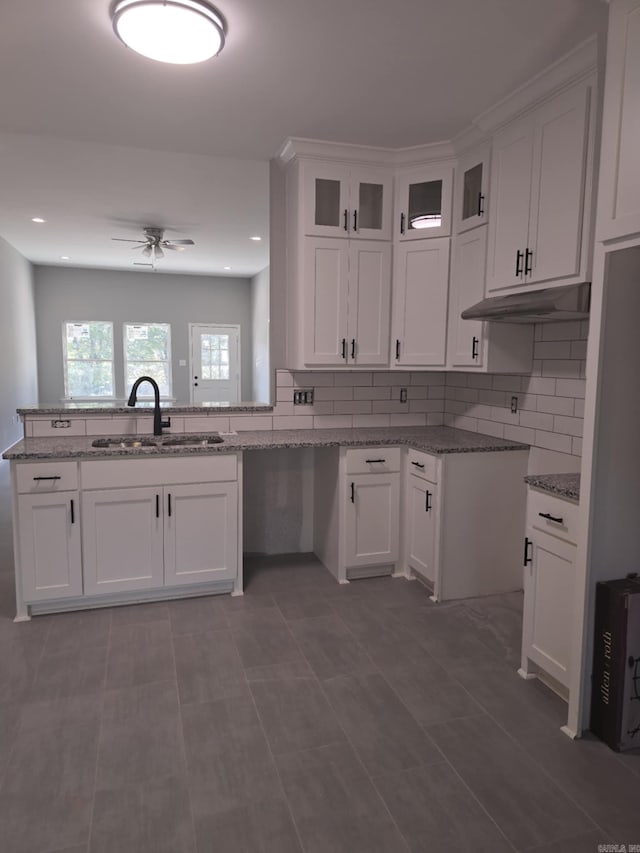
[
  {"x": 35, "y": 477},
  {"x": 121, "y": 473},
  {"x": 422, "y": 465},
  {"x": 541, "y": 505},
  {"x": 373, "y": 460}
]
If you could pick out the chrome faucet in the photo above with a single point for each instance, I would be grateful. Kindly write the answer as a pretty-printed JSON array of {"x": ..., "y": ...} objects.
[{"x": 158, "y": 423}]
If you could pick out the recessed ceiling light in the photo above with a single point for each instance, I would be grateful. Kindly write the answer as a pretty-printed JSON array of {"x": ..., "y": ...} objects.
[
  {"x": 181, "y": 32},
  {"x": 256, "y": 238},
  {"x": 37, "y": 219},
  {"x": 65, "y": 258},
  {"x": 226, "y": 268}
]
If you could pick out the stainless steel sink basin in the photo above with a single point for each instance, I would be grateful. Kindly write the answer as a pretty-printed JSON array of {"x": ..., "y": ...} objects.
[
  {"x": 123, "y": 442},
  {"x": 191, "y": 440}
]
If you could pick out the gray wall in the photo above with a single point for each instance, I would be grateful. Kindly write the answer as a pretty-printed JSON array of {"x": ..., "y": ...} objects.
[
  {"x": 63, "y": 293},
  {"x": 18, "y": 374},
  {"x": 260, "y": 336}
]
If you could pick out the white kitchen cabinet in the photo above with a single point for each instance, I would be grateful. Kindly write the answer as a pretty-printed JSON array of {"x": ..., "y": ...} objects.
[
  {"x": 541, "y": 177},
  {"x": 472, "y": 344},
  {"x": 346, "y": 201},
  {"x": 619, "y": 194},
  {"x": 549, "y": 587},
  {"x": 372, "y": 515},
  {"x": 346, "y": 302},
  {"x": 420, "y": 299},
  {"x": 471, "y": 189},
  {"x": 467, "y": 543},
  {"x": 423, "y": 203}
]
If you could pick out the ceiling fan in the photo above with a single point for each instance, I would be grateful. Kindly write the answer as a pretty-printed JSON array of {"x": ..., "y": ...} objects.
[{"x": 154, "y": 243}]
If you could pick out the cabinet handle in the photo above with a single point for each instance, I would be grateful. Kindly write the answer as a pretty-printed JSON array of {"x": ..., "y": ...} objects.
[
  {"x": 353, "y": 493},
  {"x": 527, "y": 558},
  {"x": 418, "y": 464},
  {"x": 54, "y": 477},
  {"x": 346, "y": 219},
  {"x": 371, "y": 461},
  {"x": 353, "y": 347},
  {"x": 474, "y": 348},
  {"x": 72, "y": 511},
  {"x": 344, "y": 348},
  {"x": 397, "y": 349},
  {"x": 169, "y": 504},
  {"x": 480, "y": 204},
  {"x": 428, "y": 497},
  {"x": 402, "y": 223},
  {"x": 528, "y": 256},
  {"x": 157, "y": 506},
  {"x": 355, "y": 220},
  {"x": 519, "y": 259},
  {"x": 557, "y": 519}
]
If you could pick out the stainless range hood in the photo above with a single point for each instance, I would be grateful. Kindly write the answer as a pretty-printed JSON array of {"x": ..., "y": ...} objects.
[{"x": 538, "y": 306}]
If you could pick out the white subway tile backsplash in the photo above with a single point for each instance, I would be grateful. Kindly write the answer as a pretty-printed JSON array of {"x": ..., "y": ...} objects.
[
  {"x": 297, "y": 422},
  {"x": 492, "y": 398},
  {"x": 371, "y": 420},
  {"x": 322, "y": 408},
  {"x": 519, "y": 433},
  {"x": 576, "y": 446},
  {"x": 552, "y": 441},
  {"x": 436, "y": 392},
  {"x": 539, "y": 385},
  {"x": 491, "y": 428},
  {"x": 283, "y": 409},
  {"x": 353, "y": 378},
  {"x": 537, "y": 420},
  {"x": 333, "y": 393},
  {"x": 428, "y": 378},
  {"x": 372, "y": 393},
  {"x": 419, "y": 392},
  {"x": 504, "y": 416},
  {"x": 388, "y": 406},
  {"x": 468, "y": 394},
  {"x": 352, "y": 407},
  {"x": 567, "y": 330},
  {"x": 526, "y": 402},
  {"x": 312, "y": 379},
  {"x": 570, "y": 387},
  {"x": 567, "y": 426},
  {"x": 552, "y": 349},
  {"x": 332, "y": 421},
  {"x": 425, "y": 405},
  {"x": 460, "y": 422},
  {"x": 408, "y": 420},
  {"x": 578, "y": 349},
  {"x": 507, "y": 383},
  {"x": 242, "y": 423},
  {"x": 392, "y": 378},
  {"x": 435, "y": 419},
  {"x": 555, "y": 405},
  {"x": 560, "y": 368},
  {"x": 206, "y": 424},
  {"x": 284, "y": 378},
  {"x": 578, "y": 408}
]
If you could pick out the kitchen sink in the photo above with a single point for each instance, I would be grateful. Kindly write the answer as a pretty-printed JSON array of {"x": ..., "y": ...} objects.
[
  {"x": 191, "y": 440},
  {"x": 123, "y": 442}
]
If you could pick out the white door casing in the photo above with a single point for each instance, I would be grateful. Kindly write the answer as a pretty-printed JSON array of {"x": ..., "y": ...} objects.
[{"x": 214, "y": 353}]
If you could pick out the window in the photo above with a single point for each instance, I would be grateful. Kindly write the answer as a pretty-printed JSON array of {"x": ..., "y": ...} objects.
[
  {"x": 88, "y": 359},
  {"x": 147, "y": 352}
]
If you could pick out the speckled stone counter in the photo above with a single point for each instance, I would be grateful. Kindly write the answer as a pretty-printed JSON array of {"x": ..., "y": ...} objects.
[
  {"x": 437, "y": 440},
  {"x": 120, "y": 408},
  {"x": 563, "y": 485}
]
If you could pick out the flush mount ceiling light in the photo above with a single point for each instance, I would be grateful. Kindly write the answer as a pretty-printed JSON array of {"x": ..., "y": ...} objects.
[{"x": 181, "y": 32}]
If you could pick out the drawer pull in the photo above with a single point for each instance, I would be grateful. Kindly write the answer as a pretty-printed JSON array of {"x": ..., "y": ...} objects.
[
  {"x": 557, "y": 519},
  {"x": 427, "y": 501},
  {"x": 353, "y": 493},
  {"x": 371, "y": 461},
  {"x": 527, "y": 558},
  {"x": 52, "y": 477},
  {"x": 73, "y": 514},
  {"x": 418, "y": 464},
  {"x": 169, "y": 504}
]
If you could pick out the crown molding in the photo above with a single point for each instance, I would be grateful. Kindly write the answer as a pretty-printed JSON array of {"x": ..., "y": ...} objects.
[{"x": 345, "y": 152}]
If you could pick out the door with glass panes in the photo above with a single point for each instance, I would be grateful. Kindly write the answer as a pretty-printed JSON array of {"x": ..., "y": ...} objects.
[{"x": 215, "y": 363}]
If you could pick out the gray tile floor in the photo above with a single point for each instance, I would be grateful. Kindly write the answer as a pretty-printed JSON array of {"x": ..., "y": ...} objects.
[{"x": 305, "y": 716}]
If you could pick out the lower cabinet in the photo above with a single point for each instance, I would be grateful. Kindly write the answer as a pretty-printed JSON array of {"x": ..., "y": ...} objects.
[
  {"x": 372, "y": 515},
  {"x": 421, "y": 509},
  {"x": 549, "y": 584}
]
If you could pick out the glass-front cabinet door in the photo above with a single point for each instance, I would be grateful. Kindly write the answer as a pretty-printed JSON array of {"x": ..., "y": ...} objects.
[
  {"x": 340, "y": 201},
  {"x": 424, "y": 204},
  {"x": 471, "y": 192}
]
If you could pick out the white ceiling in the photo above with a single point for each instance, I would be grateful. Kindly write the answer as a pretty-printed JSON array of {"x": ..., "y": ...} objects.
[{"x": 101, "y": 142}]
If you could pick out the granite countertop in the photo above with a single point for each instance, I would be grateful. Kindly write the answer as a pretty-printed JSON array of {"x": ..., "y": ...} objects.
[
  {"x": 115, "y": 407},
  {"x": 563, "y": 485},
  {"x": 437, "y": 440}
]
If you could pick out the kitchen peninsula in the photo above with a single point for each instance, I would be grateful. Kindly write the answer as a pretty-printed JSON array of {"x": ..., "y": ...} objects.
[{"x": 141, "y": 517}]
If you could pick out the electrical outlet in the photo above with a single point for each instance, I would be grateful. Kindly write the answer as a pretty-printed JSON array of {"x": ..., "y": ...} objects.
[
  {"x": 403, "y": 395},
  {"x": 514, "y": 404},
  {"x": 303, "y": 398}
]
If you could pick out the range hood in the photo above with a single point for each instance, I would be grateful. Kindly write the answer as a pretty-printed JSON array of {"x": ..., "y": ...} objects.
[{"x": 538, "y": 306}]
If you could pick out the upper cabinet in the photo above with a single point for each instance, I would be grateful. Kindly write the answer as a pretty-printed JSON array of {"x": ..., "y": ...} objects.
[
  {"x": 471, "y": 203},
  {"x": 619, "y": 195},
  {"x": 347, "y": 202},
  {"x": 541, "y": 177},
  {"x": 423, "y": 203}
]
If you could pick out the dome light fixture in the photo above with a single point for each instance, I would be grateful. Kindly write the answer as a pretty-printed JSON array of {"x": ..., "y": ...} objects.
[{"x": 181, "y": 32}]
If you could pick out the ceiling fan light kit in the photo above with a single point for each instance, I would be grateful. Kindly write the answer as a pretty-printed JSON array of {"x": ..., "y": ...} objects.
[
  {"x": 181, "y": 32},
  {"x": 154, "y": 243}
]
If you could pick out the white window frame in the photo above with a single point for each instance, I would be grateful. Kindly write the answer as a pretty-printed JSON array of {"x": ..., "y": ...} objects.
[
  {"x": 65, "y": 360},
  {"x": 145, "y": 392}
]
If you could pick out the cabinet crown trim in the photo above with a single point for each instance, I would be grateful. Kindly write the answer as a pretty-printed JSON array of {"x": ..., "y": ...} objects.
[{"x": 362, "y": 155}]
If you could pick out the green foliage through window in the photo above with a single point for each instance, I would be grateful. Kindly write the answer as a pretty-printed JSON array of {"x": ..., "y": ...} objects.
[{"x": 88, "y": 359}]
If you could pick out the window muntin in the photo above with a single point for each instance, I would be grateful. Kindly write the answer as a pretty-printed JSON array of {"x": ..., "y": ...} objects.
[
  {"x": 88, "y": 359},
  {"x": 147, "y": 352},
  {"x": 214, "y": 352}
]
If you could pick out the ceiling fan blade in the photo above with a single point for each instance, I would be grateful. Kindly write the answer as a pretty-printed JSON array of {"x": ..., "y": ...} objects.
[
  {"x": 173, "y": 248},
  {"x": 187, "y": 242},
  {"x": 127, "y": 240},
  {"x": 141, "y": 264}
]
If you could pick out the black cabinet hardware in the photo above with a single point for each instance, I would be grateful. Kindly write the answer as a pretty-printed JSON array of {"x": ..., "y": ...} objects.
[
  {"x": 53, "y": 477},
  {"x": 418, "y": 464},
  {"x": 157, "y": 506},
  {"x": 346, "y": 219},
  {"x": 527, "y": 558},
  {"x": 169, "y": 504},
  {"x": 528, "y": 257},
  {"x": 428, "y": 496},
  {"x": 519, "y": 259},
  {"x": 474, "y": 347},
  {"x": 480, "y": 204},
  {"x": 353, "y": 347},
  {"x": 402, "y": 223},
  {"x": 397, "y": 349},
  {"x": 353, "y": 493},
  {"x": 72, "y": 511},
  {"x": 344, "y": 348},
  {"x": 371, "y": 461},
  {"x": 557, "y": 519},
  {"x": 355, "y": 220}
]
